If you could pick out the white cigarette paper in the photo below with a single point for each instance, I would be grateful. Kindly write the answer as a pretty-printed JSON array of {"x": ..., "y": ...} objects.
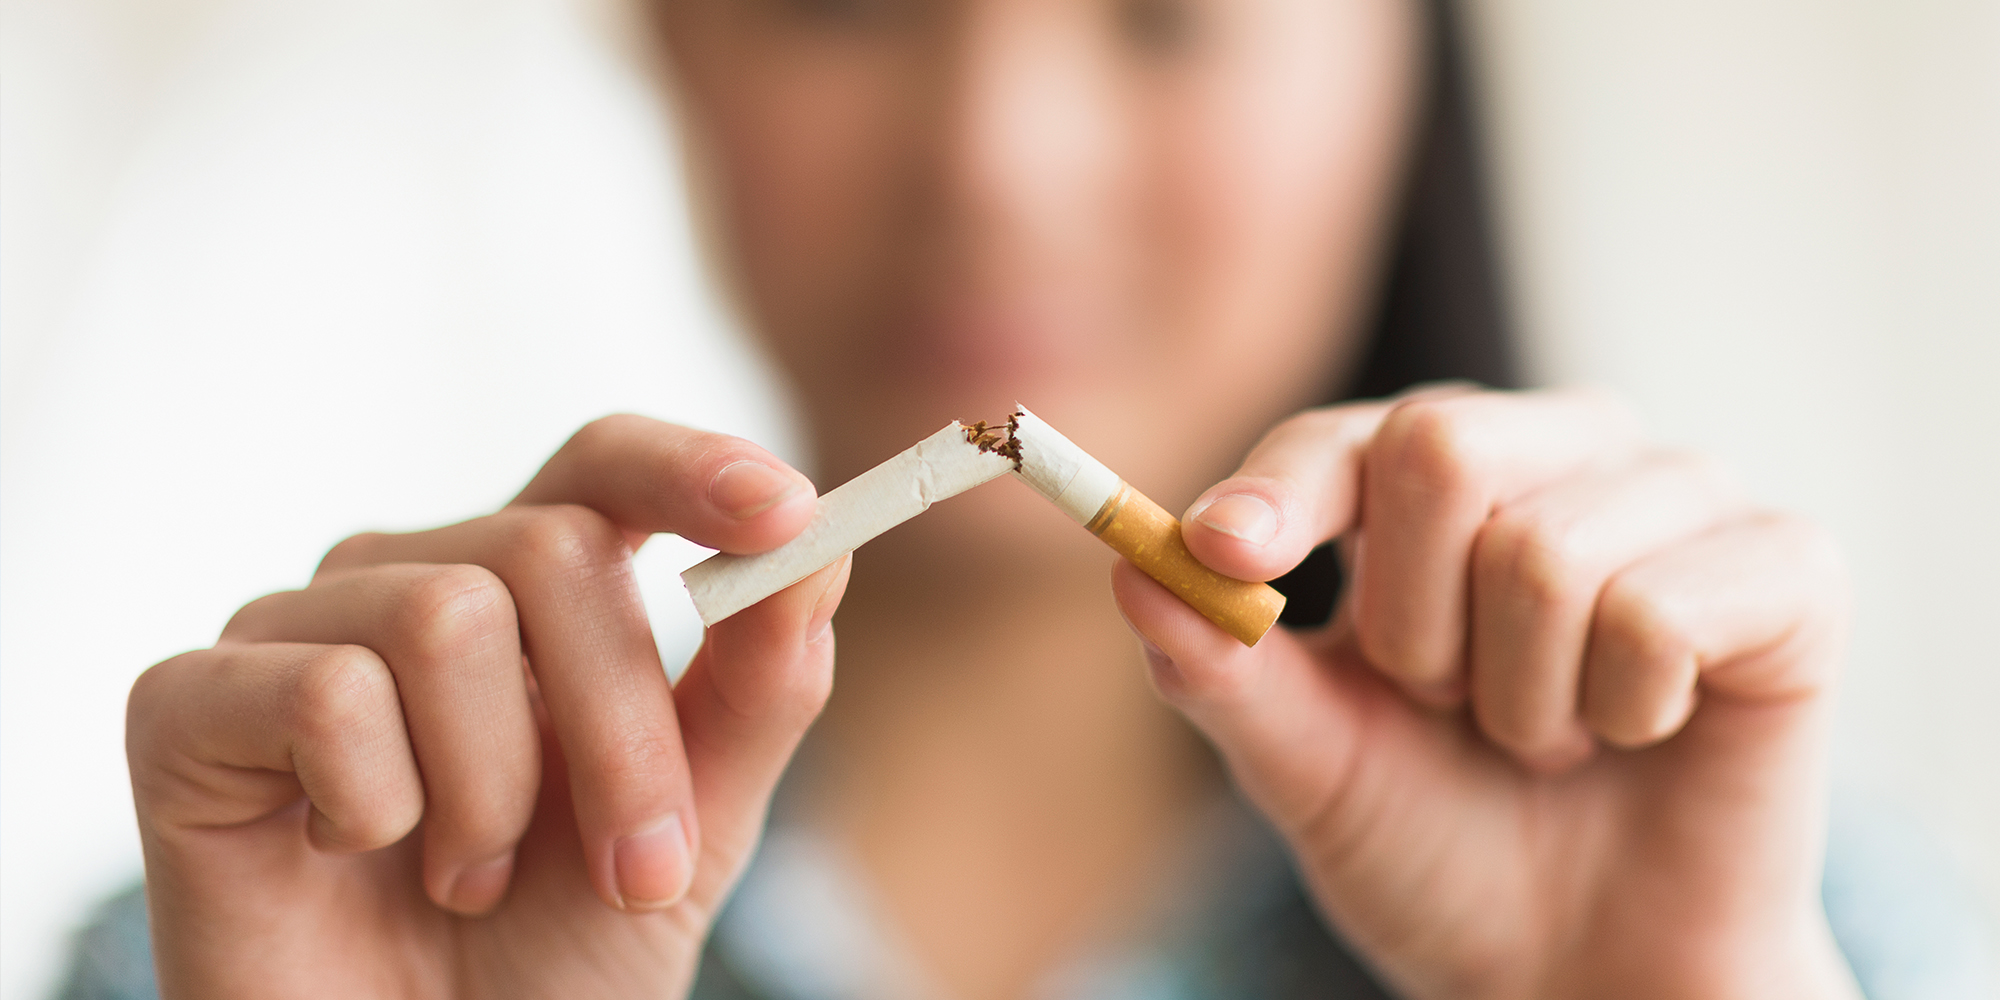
[
  {"x": 1061, "y": 471},
  {"x": 940, "y": 466}
]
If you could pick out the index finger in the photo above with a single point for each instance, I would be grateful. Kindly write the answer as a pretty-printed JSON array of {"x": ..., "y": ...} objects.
[
  {"x": 649, "y": 476},
  {"x": 1299, "y": 487}
]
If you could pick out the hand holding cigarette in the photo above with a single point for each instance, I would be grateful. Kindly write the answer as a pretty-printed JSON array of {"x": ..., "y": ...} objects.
[
  {"x": 1575, "y": 692},
  {"x": 958, "y": 458},
  {"x": 1137, "y": 528},
  {"x": 356, "y": 785}
]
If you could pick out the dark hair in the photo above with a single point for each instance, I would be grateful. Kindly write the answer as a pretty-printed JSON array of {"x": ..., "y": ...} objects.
[{"x": 1442, "y": 309}]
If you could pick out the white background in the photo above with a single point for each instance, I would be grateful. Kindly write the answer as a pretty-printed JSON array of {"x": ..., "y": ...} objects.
[{"x": 273, "y": 271}]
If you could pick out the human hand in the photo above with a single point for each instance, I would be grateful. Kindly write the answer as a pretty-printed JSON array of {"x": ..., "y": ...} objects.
[
  {"x": 1564, "y": 735},
  {"x": 452, "y": 764}
]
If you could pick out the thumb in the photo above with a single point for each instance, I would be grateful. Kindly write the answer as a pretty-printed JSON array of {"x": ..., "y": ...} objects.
[
  {"x": 1288, "y": 720},
  {"x": 758, "y": 681}
]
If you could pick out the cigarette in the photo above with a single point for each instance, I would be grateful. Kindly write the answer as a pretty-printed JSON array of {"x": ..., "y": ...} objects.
[
  {"x": 943, "y": 465},
  {"x": 1136, "y": 528},
  {"x": 958, "y": 458}
]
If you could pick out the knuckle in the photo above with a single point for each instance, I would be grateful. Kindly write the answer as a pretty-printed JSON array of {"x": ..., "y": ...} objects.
[
  {"x": 615, "y": 425},
  {"x": 147, "y": 704},
  {"x": 1429, "y": 444},
  {"x": 1315, "y": 422},
  {"x": 568, "y": 539},
  {"x": 597, "y": 436},
  {"x": 152, "y": 683},
  {"x": 451, "y": 610},
  {"x": 1543, "y": 559},
  {"x": 1643, "y": 625},
  {"x": 639, "y": 757},
  {"x": 345, "y": 694},
  {"x": 354, "y": 550},
  {"x": 610, "y": 435},
  {"x": 243, "y": 621},
  {"x": 1698, "y": 474},
  {"x": 1352, "y": 422}
]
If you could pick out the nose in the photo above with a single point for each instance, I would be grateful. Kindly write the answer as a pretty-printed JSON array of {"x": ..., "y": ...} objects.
[{"x": 1033, "y": 131}]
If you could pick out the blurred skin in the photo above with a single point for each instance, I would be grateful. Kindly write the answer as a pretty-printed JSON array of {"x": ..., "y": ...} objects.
[{"x": 1562, "y": 739}]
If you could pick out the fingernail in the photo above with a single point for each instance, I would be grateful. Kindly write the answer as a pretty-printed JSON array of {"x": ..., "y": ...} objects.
[
  {"x": 1242, "y": 516},
  {"x": 480, "y": 885},
  {"x": 746, "y": 489},
  {"x": 655, "y": 866}
]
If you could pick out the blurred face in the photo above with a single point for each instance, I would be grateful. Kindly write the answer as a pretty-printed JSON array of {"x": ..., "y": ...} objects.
[{"x": 1154, "y": 222}]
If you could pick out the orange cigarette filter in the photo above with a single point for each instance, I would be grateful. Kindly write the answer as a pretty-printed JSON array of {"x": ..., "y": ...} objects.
[
  {"x": 1143, "y": 532},
  {"x": 1135, "y": 527}
]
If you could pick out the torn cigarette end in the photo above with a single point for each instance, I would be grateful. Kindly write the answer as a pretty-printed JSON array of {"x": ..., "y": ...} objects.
[
  {"x": 997, "y": 439},
  {"x": 956, "y": 459},
  {"x": 1137, "y": 528},
  {"x": 943, "y": 465}
]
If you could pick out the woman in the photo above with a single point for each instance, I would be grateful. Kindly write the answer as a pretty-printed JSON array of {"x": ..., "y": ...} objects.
[{"x": 1564, "y": 736}]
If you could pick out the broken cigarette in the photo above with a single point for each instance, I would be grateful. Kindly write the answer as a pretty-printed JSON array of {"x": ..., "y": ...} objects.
[
  {"x": 956, "y": 459},
  {"x": 945, "y": 464},
  {"x": 1137, "y": 528}
]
